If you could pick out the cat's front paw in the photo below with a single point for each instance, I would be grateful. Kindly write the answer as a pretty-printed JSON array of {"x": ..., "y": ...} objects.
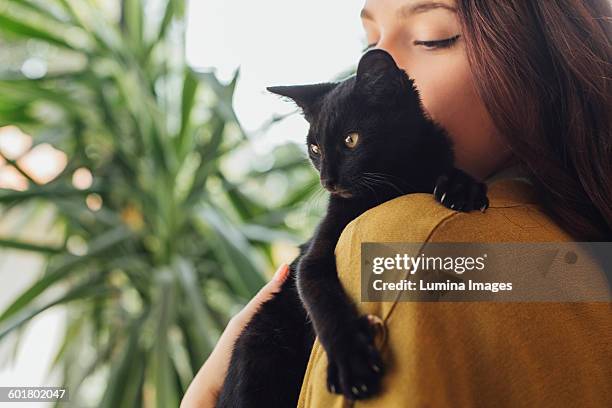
[
  {"x": 355, "y": 366},
  {"x": 459, "y": 191}
]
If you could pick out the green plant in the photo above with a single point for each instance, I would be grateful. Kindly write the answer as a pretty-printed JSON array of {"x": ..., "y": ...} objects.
[{"x": 151, "y": 277}]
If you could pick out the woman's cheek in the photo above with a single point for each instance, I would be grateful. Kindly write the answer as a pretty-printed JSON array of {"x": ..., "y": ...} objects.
[
  {"x": 449, "y": 97},
  {"x": 444, "y": 84}
]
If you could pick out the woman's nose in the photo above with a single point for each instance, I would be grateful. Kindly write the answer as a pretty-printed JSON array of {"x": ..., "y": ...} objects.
[{"x": 390, "y": 45}]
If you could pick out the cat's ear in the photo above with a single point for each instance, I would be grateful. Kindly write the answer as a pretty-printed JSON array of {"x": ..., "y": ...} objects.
[
  {"x": 307, "y": 97},
  {"x": 379, "y": 78}
]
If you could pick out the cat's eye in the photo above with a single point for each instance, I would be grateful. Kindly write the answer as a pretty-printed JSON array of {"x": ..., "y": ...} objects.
[
  {"x": 314, "y": 148},
  {"x": 351, "y": 140}
]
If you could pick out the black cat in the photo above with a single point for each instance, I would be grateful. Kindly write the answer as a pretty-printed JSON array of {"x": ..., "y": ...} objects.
[{"x": 371, "y": 141}]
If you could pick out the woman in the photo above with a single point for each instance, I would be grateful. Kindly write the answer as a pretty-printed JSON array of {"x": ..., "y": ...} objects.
[{"x": 523, "y": 87}]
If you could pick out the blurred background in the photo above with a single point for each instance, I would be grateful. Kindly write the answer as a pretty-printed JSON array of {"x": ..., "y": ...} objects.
[{"x": 149, "y": 185}]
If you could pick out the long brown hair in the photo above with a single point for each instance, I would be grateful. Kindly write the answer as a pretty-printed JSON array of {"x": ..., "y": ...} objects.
[{"x": 543, "y": 70}]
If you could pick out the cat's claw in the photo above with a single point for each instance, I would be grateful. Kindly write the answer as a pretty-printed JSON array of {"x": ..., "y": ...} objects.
[
  {"x": 355, "y": 367},
  {"x": 332, "y": 378},
  {"x": 459, "y": 191}
]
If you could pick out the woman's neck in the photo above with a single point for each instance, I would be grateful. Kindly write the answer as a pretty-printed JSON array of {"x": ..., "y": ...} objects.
[{"x": 510, "y": 169}]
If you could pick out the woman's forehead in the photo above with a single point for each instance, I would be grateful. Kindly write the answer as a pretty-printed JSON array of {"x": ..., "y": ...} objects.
[{"x": 404, "y": 8}]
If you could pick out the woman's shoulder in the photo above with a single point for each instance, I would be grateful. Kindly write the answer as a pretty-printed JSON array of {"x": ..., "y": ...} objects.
[
  {"x": 514, "y": 215},
  {"x": 431, "y": 344}
]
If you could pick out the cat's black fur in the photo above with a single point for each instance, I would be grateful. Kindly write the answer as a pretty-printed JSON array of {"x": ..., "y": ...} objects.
[{"x": 399, "y": 150}]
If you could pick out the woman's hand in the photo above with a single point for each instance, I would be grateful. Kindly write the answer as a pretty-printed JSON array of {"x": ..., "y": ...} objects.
[{"x": 206, "y": 386}]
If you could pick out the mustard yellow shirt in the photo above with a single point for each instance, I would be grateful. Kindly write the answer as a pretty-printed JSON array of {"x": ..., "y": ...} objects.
[{"x": 473, "y": 353}]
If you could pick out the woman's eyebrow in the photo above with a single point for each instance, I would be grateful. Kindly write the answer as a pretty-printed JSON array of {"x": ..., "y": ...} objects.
[{"x": 410, "y": 9}]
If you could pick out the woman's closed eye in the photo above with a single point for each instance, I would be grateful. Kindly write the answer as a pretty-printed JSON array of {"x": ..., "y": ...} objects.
[
  {"x": 446, "y": 43},
  {"x": 428, "y": 45}
]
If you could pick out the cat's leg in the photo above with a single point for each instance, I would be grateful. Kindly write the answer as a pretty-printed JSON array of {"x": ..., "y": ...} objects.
[
  {"x": 270, "y": 356},
  {"x": 355, "y": 366},
  {"x": 459, "y": 191}
]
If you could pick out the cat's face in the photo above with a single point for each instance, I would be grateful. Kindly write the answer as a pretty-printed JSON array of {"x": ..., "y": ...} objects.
[{"x": 362, "y": 129}]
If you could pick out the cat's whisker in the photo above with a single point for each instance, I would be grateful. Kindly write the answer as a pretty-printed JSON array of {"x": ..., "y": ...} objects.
[
  {"x": 383, "y": 175},
  {"x": 313, "y": 199},
  {"x": 312, "y": 202},
  {"x": 382, "y": 180},
  {"x": 386, "y": 177},
  {"x": 366, "y": 182}
]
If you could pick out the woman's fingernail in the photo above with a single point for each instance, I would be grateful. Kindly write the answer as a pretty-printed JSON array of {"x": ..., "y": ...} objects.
[{"x": 281, "y": 273}]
